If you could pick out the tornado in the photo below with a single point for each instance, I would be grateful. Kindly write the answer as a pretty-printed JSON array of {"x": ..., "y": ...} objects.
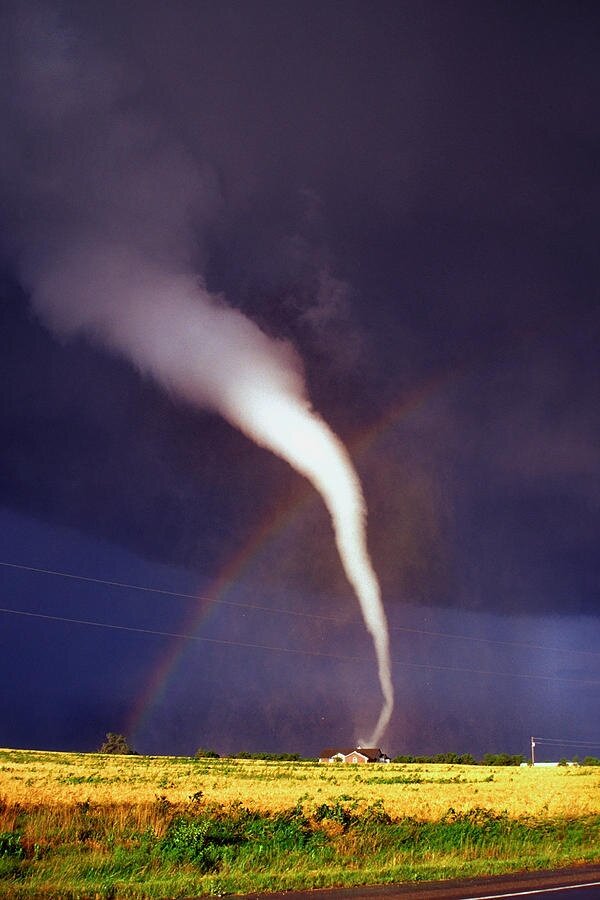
[
  {"x": 286, "y": 425},
  {"x": 106, "y": 214}
]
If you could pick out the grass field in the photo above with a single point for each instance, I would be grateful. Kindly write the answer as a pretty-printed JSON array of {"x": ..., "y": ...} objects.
[{"x": 84, "y": 825}]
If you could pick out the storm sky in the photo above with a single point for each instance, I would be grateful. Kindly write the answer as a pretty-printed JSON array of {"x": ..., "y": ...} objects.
[{"x": 403, "y": 196}]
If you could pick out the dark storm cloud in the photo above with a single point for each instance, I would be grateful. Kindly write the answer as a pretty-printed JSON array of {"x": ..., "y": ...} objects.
[
  {"x": 402, "y": 191},
  {"x": 103, "y": 218}
]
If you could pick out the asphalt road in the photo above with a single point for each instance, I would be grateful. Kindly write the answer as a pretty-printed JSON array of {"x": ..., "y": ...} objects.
[{"x": 577, "y": 883}]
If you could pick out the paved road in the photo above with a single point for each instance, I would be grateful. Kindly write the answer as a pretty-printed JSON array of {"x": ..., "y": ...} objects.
[{"x": 578, "y": 883}]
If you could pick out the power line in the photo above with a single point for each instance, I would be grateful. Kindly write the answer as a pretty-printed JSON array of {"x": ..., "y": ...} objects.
[
  {"x": 247, "y": 644},
  {"x": 291, "y": 612},
  {"x": 175, "y": 634},
  {"x": 525, "y": 645},
  {"x": 566, "y": 742},
  {"x": 167, "y": 593}
]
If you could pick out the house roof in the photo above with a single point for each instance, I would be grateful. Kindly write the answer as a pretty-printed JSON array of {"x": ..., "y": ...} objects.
[
  {"x": 369, "y": 752},
  {"x": 328, "y": 752}
]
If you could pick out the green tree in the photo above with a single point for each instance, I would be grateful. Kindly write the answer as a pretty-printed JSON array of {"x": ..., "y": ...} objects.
[
  {"x": 202, "y": 753},
  {"x": 503, "y": 759},
  {"x": 116, "y": 743}
]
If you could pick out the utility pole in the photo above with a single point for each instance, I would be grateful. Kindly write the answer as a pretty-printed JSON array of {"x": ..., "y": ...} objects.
[{"x": 533, "y": 751}]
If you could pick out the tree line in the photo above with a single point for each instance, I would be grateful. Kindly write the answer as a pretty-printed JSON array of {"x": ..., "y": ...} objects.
[
  {"x": 118, "y": 743},
  {"x": 465, "y": 759}
]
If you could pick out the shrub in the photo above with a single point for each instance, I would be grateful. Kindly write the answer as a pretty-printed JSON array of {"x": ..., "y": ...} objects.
[
  {"x": 10, "y": 845},
  {"x": 202, "y": 841},
  {"x": 342, "y": 811},
  {"x": 116, "y": 743},
  {"x": 187, "y": 841},
  {"x": 202, "y": 753},
  {"x": 282, "y": 832}
]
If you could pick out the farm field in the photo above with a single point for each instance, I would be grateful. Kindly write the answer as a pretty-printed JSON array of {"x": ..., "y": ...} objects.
[
  {"x": 422, "y": 791},
  {"x": 79, "y": 825}
]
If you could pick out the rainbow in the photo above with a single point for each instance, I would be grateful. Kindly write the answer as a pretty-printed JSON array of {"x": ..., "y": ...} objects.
[
  {"x": 276, "y": 523},
  {"x": 269, "y": 529}
]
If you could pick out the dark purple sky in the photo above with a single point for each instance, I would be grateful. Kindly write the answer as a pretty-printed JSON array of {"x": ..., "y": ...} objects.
[{"x": 409, "y": 192}]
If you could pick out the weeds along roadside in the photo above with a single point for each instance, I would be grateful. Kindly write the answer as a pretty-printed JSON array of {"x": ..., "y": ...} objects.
[{"x": 162, "y": 848}]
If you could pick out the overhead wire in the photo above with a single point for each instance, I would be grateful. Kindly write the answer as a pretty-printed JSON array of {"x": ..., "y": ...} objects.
[
  {"x": 175, "y": 634},
  {"x": 570, "y": 742},
  {"x": 168, "y": 593},
  {"x": 303, "y": 652},
  {"x": 526, "y": 645}
]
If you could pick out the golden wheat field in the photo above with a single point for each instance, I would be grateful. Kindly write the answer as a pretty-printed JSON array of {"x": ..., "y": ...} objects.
[{"x": 424, "y": 791}]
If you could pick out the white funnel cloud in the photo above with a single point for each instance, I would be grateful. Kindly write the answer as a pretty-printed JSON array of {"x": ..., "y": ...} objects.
[
  {"x": 214, "y": 356},
  {"x": 105, "y": 248}
]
